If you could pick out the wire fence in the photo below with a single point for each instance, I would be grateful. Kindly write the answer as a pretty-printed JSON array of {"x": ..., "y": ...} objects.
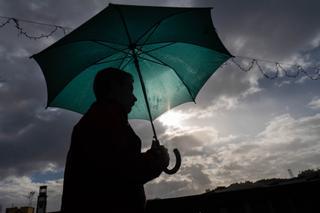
[
  {"x": 275, "y": 70},
  {"x": 270, "y": 71},
  {"x": 7, "y": 20}
]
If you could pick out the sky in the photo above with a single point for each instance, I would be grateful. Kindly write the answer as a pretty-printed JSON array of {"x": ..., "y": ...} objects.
[{"x": 243, "y": 126}]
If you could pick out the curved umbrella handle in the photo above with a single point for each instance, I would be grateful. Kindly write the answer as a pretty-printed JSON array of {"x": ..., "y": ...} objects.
[
  {"x": 176, "y": 166},
  {"x": 156, "y": 143}
]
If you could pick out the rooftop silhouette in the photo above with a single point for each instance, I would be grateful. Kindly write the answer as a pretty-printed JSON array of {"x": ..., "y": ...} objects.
[{"x": 297, "y": 194}]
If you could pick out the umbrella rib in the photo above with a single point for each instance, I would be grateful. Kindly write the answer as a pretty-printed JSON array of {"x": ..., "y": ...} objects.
[
  {"x": 123, "y": 60},
  {"x": 124, "y": 24},
  {"x": 150, "y": 34},
  {"x": 156, "y": 62},
  {"x": 104, "y": 57},
  {"x": 117, "y": 59},
  {"x": 167, "y": 65},
  {"x": 109, "y": 46},
  {"x": 159, "y": 22},
  {"x": 60, "y": 45},
  {"x": 220, "y": 51},
  {"x": 157, "y": 48},
  {"x": 120, "y": 50},
  {"x": 126, "y": 64}
]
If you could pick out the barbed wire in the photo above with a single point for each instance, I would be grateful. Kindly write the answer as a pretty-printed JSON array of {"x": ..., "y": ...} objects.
[
  {"x": 279, "y": 69},
  {"x": 21, "y": 31}
]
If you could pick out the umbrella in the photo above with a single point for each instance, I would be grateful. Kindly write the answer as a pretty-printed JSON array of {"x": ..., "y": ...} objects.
[{"x": 170, "y": 52}]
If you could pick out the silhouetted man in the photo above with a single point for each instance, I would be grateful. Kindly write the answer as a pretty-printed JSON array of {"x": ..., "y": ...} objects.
[{"x": 105, "y": 169}]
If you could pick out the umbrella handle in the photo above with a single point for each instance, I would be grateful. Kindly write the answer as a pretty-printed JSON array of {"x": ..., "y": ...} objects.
[
  {"x": 176, "y": 166},
  {"x": 176, "y": 152}
]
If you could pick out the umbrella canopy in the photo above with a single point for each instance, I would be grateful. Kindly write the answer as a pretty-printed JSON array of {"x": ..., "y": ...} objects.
[
  {"x": 170, "y": 52},
  {"x": 177, "y": 50}
]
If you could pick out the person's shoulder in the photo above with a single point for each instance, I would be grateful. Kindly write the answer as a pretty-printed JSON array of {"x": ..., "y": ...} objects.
[{"x": 104, "y": 114}]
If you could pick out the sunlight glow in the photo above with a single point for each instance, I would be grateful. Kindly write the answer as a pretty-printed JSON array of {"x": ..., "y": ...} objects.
[{"x": 173, "y": 118}]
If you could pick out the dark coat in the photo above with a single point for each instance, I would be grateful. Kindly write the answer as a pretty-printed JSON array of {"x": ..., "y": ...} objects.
[{"x": 105, "y": 169}]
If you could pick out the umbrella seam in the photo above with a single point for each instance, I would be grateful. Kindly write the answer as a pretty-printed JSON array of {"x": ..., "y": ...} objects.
[
  {"x": 155, "y": 24},
  {"x": 100, "y": 59},
  {"x": 171, "y": 43},
  {"x": 166, "y": 45},
  {"x": 159, "y": 22},
  {"x": 217, "y": 50},
  {"x": 146, "y": 59},
  {"x": 123, "y": 61},
  {"x": 124, "y": 24},
  {"x": 152, "y": 31},
  {"x": 72, "y": 42},
  {"x": 110, "y": 61},
  {"x": 126, "y": 64},
  {"x": 105, "y": 45},
  {"x": 165, "y": 64}
]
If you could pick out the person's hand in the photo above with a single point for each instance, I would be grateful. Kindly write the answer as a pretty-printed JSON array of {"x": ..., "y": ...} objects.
[{"x": 161, "y": 155}]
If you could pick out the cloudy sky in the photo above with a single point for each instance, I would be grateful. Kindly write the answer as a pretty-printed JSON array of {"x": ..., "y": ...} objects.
[{"x": 243, "y": 127}]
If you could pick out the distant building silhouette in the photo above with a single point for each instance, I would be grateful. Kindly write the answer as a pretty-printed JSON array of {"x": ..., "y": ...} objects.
[
  {"x": 41, "y": 204},
  {"x": 25, "y": 209},
  {"x": 295, "y": 195},
  {"x": 42, "y": 200}
]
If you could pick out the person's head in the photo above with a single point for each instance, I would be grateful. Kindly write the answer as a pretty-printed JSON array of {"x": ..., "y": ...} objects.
[{"x": 114, "y": 84}]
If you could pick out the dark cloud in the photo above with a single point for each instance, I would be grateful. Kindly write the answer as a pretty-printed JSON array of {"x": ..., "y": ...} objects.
[
  {"x": 272, "y": 29},
  {"x": 35, "y": 146},
  {"x": 30, "y": 136},
  {"x": 72, "y": 15}
]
